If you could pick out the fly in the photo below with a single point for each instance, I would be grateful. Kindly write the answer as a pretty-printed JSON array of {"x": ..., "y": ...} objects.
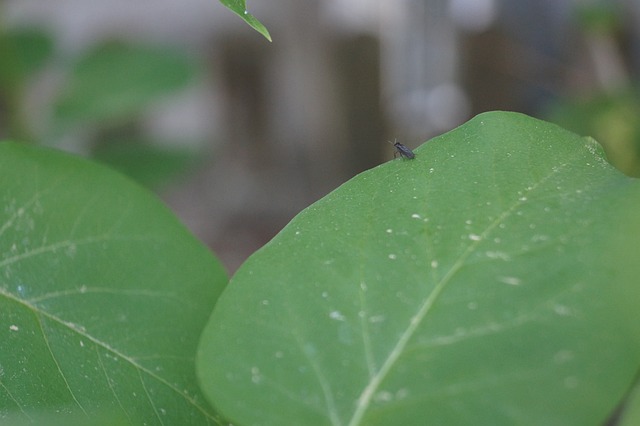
[{"x": 403, "y": 151}]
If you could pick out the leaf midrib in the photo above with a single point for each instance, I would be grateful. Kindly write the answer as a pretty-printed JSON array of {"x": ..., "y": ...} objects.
[
  {"x": 364, "y": 401},
  {"x": 74, "y": 328}
]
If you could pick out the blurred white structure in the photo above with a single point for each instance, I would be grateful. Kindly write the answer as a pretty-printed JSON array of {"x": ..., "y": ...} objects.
[{"x": 290, "y": 120}]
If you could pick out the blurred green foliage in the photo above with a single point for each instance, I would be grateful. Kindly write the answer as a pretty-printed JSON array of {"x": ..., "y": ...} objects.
[
  {"x": 608, "y": 112},
  {"x": 611, "y": 119},
  {"x": 23, "y": 52},
  {"x": 105, "y": 91},
  {"x": 116, "y": 81}
]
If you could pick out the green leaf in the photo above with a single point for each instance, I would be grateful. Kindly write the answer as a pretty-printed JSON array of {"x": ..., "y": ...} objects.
[
  {"x": 103, "y": 295},
  {"x": 239, "y": 7},
  {"x": 476, "y": 284},
  {"x": 116, "y": 81}
]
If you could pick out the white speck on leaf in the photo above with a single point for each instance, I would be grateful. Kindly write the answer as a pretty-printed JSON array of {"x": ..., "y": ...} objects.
[
  {"x": 497, "y": 255},
  {"x": 510, "y": 280},
  {"x": 13, "y": 327},
  {"x": 74, "y": 326},
  {"x": 563, "y": 356},
  {"x": 336, "y": 315},
  {"x": 434, "y": 264},
  {"x": 383, "y": 396},
  {"x": 537, "y": 238},
  {"x": 402, "y": 393},
  {"x": 415, "y": 216},
  {"x": 392, "y": 256},
  {"x": 571, "y": 382},
  {"x": 71, "y": 251},
  {"x": 310, "y": 349},
  {"x": 256, "y": 377},
  {"x": 562, "y": 310},
  {"x": 376, "y": 318},
  {"x": 475, "y": 237},
  {"x": 21, "y": 290},
  {"x": 389, "y": 231}
]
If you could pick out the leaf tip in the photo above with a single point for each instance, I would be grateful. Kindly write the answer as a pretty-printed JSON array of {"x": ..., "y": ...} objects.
[{"x": 240, "y": 9}]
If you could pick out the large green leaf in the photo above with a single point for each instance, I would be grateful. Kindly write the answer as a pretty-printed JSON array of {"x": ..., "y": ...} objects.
[
  {"x": 477, "y": 284},
  {"x": 103, "y": 295}
]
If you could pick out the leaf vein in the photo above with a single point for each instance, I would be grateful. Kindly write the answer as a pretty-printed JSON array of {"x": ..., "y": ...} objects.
[
  {"x": 365, "y": 398},
  {"x": 13, "y": 398},
  {"x": 111, "y": 388},
  {"x": 57, "y": 364},
  {"x": 146, "y": 391},
  {"x": 108, "y": 348}
]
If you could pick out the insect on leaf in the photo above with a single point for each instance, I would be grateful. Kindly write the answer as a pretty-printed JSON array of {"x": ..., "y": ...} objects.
[{"x": 488, "y": 281}]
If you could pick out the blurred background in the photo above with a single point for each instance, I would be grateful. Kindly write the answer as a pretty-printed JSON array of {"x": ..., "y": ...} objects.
[{"x": 238, "y": 135}]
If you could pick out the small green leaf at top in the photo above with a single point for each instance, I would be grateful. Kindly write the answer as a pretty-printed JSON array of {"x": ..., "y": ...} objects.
[
  {"x": 239, "y": 7},
  {"x": 491, "y": 280}
]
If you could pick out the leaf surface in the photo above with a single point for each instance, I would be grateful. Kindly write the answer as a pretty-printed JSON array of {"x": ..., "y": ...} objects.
[
  {"x": 477, "y": 284},
  {"x": 103, "y": 295}
]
